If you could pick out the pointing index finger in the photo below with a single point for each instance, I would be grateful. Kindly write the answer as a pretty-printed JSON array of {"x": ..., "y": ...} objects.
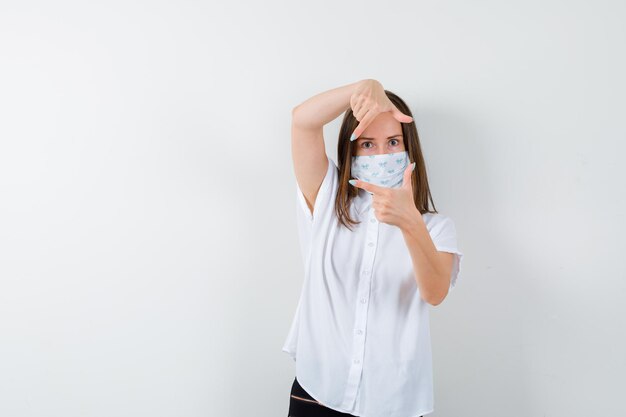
[{"x": 367, "y": 186}]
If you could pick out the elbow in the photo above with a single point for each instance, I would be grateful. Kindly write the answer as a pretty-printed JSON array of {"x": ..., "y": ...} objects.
[
  {"x": 436, "y": 298},
  {"x": 436, "y": 301},
  {"x": 296, "y": 119},
  {"x": 295, "y": 113}
]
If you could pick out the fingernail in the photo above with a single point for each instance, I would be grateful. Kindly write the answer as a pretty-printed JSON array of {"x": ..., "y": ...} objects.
[
  {"x": 352, "y": 182},
  {"x": 352, "y": 137},
  {"x": 413, "y": 166}
]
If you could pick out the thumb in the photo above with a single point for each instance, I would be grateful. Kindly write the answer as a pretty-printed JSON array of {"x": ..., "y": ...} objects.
[
  {"x": 401, "y": 117},
  {"x": 406, "y": 179}
]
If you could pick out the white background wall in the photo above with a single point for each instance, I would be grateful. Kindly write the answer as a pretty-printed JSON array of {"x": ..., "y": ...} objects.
[{"x": 148, "y": 253}]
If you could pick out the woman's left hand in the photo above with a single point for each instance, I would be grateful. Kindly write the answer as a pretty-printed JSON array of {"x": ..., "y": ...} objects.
[{"x": 394, "y": 206}]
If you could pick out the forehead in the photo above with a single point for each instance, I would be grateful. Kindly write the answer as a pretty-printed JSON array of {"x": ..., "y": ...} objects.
[{"x": 383, "y": 126}]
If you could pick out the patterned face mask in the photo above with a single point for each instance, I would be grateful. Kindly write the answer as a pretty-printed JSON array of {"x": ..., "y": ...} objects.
[{"x": 386, "y": 170}]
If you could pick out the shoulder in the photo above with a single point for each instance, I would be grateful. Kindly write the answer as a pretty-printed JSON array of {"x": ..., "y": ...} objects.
[
  {"x": 434, "y": 218},
  {"x": 332, "y": 165},
  {"x": 332, "y": 174},
  {"x": 331, "y": 180},
  {"x": 436, "y": 221}
]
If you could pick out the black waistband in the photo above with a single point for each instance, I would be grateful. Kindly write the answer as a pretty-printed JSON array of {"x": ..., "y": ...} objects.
[{"x": 297, "y": 390}]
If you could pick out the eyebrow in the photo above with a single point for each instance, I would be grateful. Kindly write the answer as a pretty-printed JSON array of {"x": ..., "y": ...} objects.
[{"x": 394, "y": 136}]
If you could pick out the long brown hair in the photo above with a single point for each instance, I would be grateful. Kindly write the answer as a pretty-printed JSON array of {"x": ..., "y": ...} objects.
[{"x": 346, "y": 149}]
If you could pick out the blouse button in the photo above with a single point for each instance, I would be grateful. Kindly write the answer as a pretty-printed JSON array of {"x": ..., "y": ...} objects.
[
  {"x": 357, "y": 361},
  {"x": 359, "y": 331},
  {"x": 363, "y": 300},
  {"x": 370, "y": 244},
  {"x": 373, "y": 220}
]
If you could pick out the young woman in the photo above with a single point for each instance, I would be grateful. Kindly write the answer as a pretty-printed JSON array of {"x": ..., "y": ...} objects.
[{"x": 376, "y": 258}]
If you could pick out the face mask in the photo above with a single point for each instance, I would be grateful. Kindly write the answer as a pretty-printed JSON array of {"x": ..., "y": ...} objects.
[{"x": 386, "y": 170}]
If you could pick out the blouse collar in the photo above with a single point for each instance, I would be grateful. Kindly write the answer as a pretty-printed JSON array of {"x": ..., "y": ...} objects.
[{"x": 362, "y": 201}]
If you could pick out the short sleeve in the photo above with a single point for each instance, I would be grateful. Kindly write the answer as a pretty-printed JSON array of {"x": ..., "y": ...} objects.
[
  {"x": 324, "y": 205},
  {"x": 323, "y": 200},
  {"x": 443, "y": 234}
]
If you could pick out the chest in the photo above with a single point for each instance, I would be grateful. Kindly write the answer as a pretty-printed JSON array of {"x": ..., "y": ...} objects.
[{"x": 373, "y": 250}]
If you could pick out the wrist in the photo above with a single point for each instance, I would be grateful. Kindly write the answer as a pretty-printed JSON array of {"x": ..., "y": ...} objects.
[
  {"x": 412, "y": 222},
  {"x": 368, "y": 81}
]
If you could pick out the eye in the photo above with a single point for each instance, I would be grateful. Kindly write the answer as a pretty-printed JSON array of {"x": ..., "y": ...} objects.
[
  {"x": 395, "y": 140},
  {"x": 365, "y": 143}
]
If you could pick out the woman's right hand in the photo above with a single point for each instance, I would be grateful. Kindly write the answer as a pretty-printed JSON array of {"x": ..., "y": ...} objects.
[{"x": 368, "y": 101}]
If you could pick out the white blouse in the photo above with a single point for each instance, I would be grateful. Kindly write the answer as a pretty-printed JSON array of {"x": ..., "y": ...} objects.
[{"x": 360, "y": 335}]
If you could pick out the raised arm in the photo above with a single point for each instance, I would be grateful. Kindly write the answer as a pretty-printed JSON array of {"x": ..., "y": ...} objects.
[{"x": 307, "y": 136}]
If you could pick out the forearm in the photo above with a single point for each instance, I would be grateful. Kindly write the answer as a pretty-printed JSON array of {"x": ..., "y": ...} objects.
[
  {"x": 324, "y": 107},
  {"x": 429, "y": 272}
]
